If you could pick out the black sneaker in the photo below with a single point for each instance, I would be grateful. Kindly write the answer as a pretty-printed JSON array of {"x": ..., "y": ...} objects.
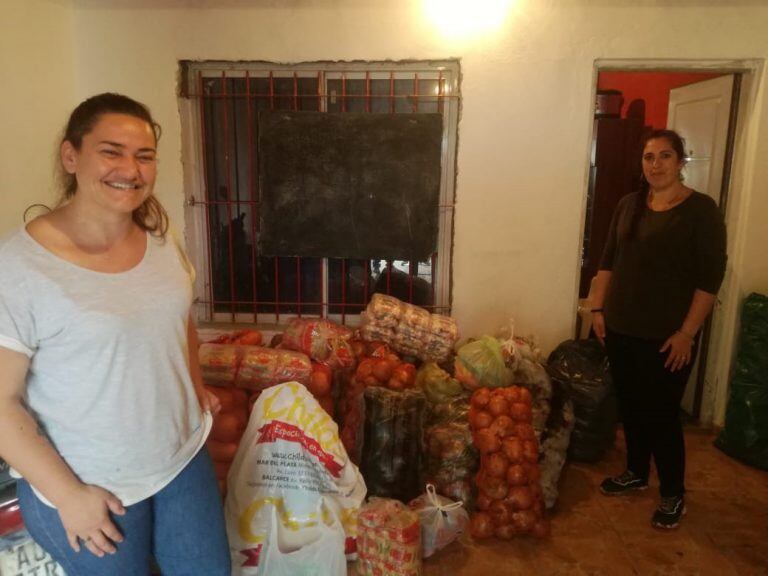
[
  {"x": 624, "y": 483},
  {"x": 669, "y": 512}
]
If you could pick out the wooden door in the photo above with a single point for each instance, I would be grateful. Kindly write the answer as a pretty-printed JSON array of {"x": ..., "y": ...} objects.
[{"x": 700, "y": 113}]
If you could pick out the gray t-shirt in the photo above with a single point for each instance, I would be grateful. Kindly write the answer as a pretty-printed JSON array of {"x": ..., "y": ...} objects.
[
  {"x": 654, "y": 275},
  {"x": 109, "y": 378}
]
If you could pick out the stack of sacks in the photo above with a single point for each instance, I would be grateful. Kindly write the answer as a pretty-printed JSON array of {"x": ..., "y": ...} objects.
[{"x": 409, "y": 329}]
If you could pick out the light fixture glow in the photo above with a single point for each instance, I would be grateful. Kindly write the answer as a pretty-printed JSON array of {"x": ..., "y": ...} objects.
[{"x": 464, "y": 18}]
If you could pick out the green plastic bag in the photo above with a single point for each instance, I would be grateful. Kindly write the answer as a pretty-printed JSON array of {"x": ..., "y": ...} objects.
[
  {"x": 437, "y": 384},
  {"x": 481, "y": 363},
  {"x": 745, "y": 435}
]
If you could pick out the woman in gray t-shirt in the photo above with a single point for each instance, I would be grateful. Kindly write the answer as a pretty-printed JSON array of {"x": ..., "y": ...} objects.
[
  {"x": 102, "y": 409},
  {"x": 658, "y": 279}
]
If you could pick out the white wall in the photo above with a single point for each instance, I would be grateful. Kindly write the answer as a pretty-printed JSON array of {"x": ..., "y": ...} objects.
[
  {"x": 36, "y": 59},
  {"x": 524, "y": 129}
]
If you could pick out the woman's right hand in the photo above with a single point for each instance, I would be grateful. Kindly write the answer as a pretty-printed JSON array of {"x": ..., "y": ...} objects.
[
  {"x": 598, "y": 326},
  {"x": 85, "y": 515}
]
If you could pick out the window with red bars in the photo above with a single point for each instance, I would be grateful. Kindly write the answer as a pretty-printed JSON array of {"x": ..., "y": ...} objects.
[{"x": 220, "y": 103}]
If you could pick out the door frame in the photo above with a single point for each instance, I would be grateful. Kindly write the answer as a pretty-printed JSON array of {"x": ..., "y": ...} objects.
[{"x": 735, "y": 199}]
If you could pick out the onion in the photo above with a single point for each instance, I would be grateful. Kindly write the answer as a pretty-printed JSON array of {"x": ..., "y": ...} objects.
[
  {"x": 483, "y": 501},
  {"x": 517, "y": 475},
  {"x": 228, "y": 427},
  {"x": 239, "y": 397},
  {"x": 495, "y": 488},
  {"x": 365, "y": 368},
  {"x": 395, "y": 383},
  {"x": 525, "y": 431},
  {"x": 221, "y": 451},
  {"x": 520, "y": 497},
  {"x": 500, "y": 513},
  {"x": 495, "y": 465},
  {"x": 481, "y": 397},
  {"x": 502, "y": 426},
  {"x": 225, "y": 396},
  {"x": 480, "y": 526},
  {"x": 480, "y": 419},
  {"x": 530, "y": 451},
  {"x": 512, "y": 394},
  {"x": 523, "y": 521},
  {"x": 382, "y": 369},
  {"x": 513, "y": 449},
  {"x": 486, "y": 441},
  {"x": 520, "y": 411},
  {"x": 498, "y": 406}
]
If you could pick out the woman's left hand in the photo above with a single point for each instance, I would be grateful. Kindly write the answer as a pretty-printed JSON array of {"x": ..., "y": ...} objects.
[
  {"x": 679, "y": 346},
  {"x": 210, "y": 402}
]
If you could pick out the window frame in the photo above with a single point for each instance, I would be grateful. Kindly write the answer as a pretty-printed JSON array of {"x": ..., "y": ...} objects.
[{"x": 194, "y": 175}]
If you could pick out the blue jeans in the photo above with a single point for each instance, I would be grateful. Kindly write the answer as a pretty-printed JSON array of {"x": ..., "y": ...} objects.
[{"x": 182, "y": 527}]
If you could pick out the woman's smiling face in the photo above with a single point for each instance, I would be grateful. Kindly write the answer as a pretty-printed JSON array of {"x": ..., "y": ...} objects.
[{"x": 116, "y": 164}]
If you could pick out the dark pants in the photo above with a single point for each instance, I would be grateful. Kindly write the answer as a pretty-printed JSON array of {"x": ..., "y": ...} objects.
[{"x": 649, "y": 400}]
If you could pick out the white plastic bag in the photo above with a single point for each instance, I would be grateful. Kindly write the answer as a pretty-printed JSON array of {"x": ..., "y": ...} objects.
[
  {"x": 290, "y": 457},
  {"x": 323, "y": 555},
  {"x": 442, "y": 520}
]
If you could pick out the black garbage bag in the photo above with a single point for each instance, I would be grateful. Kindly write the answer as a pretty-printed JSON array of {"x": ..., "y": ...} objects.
[
  {"x": 393, "y": 443},
  {"x": 581, "y": 367},
  {"x": 745, "y": 435}
]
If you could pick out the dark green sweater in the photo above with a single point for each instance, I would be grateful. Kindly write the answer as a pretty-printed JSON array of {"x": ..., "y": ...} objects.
[{"x": 655, "y": 274}]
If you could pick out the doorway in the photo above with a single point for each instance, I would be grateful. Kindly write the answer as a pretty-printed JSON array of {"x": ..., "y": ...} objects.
[{"x": 701, "y": 105}]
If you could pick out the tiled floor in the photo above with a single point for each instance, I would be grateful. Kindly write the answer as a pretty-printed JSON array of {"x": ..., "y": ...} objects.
[{"x": 724, "y": 533}]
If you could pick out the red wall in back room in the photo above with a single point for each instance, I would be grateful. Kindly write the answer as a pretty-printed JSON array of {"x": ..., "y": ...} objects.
[{"x": 653, "y": 87}]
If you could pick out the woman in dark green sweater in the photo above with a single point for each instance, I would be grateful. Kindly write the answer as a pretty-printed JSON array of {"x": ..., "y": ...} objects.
[{"x": 658, "y": 279}]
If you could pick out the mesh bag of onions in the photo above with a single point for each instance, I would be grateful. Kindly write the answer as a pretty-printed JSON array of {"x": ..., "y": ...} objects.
[{"x": 509, "y": 497}]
